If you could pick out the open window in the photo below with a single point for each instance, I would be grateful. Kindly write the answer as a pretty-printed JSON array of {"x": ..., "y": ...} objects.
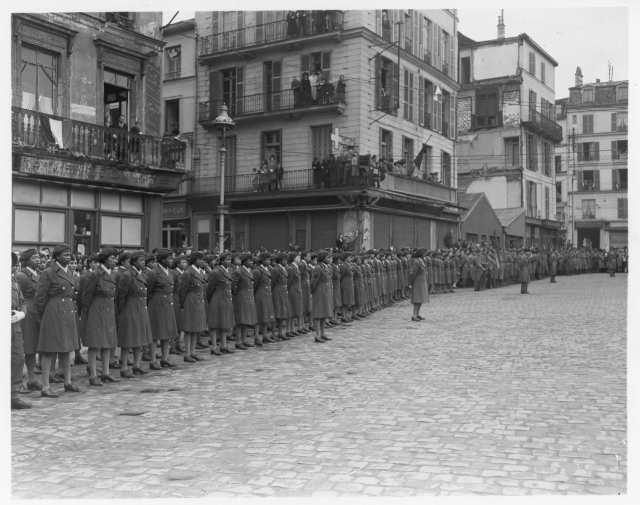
[
  {"x": 619, "y": 149},
  {"x": 117, "y": 96},
  {"x": 487, "y": 108},
  {"x": 589, "y": 180},
  {"x": 172, "y": 117},
  {"x": 39, "y": 80}
]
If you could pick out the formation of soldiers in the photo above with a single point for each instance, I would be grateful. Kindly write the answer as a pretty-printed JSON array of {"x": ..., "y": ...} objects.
[{"x": 165, "y": 302}]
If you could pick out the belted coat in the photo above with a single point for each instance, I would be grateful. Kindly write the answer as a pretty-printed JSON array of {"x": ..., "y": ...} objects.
[
  {"x": 262, "y": 295},
  {"x": 244, "y": 306},
  {"x": 218, "y": 293},
  {"x": 322, "y": 291},
  {"x": 98, "y": 307},
  {"x": 160, "y": 288},
  {"x": 418, "y": 282},
  {"x": 346, "y": 285},
  {"x": 280, "y": 292},
  {"x": 294, "y": 288},
  {"x": 193, "y": 318},
  {"x": 134, "y": 326},
  {"x": 30, "y": 325}
]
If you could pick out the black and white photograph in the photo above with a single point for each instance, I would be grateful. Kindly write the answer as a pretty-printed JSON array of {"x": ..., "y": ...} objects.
[{"x": 232, "y": 234}]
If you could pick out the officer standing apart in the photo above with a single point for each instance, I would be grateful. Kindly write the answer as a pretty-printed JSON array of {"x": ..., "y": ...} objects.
[{"x": 18, "y": 311}]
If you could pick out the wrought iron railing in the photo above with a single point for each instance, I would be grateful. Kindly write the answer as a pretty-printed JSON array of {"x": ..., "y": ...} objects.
[
  {"x": 271, "y": 102},
  {"x": 546, "y": 124},
  {"x": 172, "y": 75},
  {"x": 331, "y": 178},
  {"x": 271, "y": 32},
  {"x": 98, "y": 141}
]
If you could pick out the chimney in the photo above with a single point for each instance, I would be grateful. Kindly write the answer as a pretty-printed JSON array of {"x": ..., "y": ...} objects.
[
  {"x": 578, "y": 77},
  {"x": 501, "y": 26},
  {"x": 597, "y": 81}
]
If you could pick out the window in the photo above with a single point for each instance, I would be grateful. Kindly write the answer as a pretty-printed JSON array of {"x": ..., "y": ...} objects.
[
  {"x": 487, "y": 108},
  {"x": 426, "y": 162},
  {"x": 121, "y": 231},
  {"x": 446, "y": 169},
  {"x": 230, "y": 88},
  {"x": 559, "y": 109},
  {"x": 387, "y": 84},
  {"x": 623, "y": 208},
  {"x": 622, "y": 93},
  {"x": 574, "y": 119},
  {"x": 546, "y": 202},
  {"x": 240, "y": 241},
  {"x": 533, "y": 100},
  {"x": 558, "y": 164},
  {"x": 512, "y": 151},
  {"x": 173, "y": 60},
  {"x": 532, "y": 199},
  {"x": 589, "y": 151},
  {"x": 587, "y": 123},
  {"x": 321, "y": 142},
  {"x": 588, "y": 209},
  {"x": 587, "y": 95},
  {"x": 543, "y": 74},
  {"x": 120, "y": 202},
  {"x": 620, "y": 179},
  {"x": 425, "y": 102},
  {"x": 558, "y": 192},
  {"x": 619, "y": 149},
  {"x": 301, "y": 238},
  {"x": 227, "y": 235},
  {"x": 532, "y": 63},
  {"x": 117, "y": 96},
  {"x": 472, "y": 238},
  {"x": 319, "y": 61},
  {"x": 531, "y": 152},
  {"x": 203, "y": 228},
  {"x": 407, "y": 151},
  {"x": 589, "y": 180},
  {"x": 426, "y": 41},
  {"x": 619, "y": 121},
  {"x": 39, "y": 226},
  {"x": 172, "y": 117},
  {"x": 447, "y": 65},
  {"x": 39, "y": 80},
  {"x": 272, "y": 145},
  {"x": 408, "y": 95},
  {"x": 547, "y": 158},
  {"x": 386, "y": 144}
]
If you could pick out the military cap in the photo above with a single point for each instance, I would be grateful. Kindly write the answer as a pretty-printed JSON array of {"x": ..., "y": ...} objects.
[
  {"x": 163, "y": 253},
  {"x": 26, "y": 255},
  {"x": 60, "y": 248}
]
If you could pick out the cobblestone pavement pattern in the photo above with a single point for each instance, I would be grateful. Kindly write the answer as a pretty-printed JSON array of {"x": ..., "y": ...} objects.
[{"x": 495, "y": 393}]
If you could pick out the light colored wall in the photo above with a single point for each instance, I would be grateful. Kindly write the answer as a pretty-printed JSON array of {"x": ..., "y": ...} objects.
[
  {"x": 494, "y": 61},
  {"x": 606, "y": 205},
  {"x": 549, "y": 67}
]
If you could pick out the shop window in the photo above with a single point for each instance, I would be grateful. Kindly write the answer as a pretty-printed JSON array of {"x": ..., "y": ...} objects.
[
  {"x": 81, "y": 198},
  {"x": 121, "y": 231},
  {"x": 39, "y": 80},
  {"x": 83, "y": 232},
  {"x": 120, "y": 202},
  {"x": 39, "y": 226},
  {"x": 472, "y": 238},
  {"x": 26, "y": 192},
  {"x": 55, "y": 195},
  {"x": 109, "y": 201},
  {"x": 240, "y": 241}
]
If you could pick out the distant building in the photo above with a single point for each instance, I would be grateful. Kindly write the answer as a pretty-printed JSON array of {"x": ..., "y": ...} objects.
[
  {"x": 76, "y": 179},
  {"x": 592, "y": 179},
  {"x": 479, "y": 223},
  {"x": 507, "y": 129}
]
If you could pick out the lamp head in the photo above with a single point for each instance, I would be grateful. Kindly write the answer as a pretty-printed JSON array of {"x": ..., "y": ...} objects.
[{"x": 223, "y": 121}]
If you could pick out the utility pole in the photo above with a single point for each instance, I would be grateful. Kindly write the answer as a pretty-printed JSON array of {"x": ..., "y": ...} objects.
[
  {"x": 399, "y": 23},
  {"x": 573, "y": 174}
]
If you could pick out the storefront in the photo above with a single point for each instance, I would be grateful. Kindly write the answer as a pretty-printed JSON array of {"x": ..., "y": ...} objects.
[{"x": 176, "y": 224}]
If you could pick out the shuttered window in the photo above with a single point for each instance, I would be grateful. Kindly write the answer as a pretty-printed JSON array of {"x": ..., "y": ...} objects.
[
  {"x": 319, "y": 61},
  {"x": 532, "y": 63},
  {"x": 587, "y": 123},
  {"x": 623, "y": 208},
  {"x": 543, "y": 72},
  {"x": 408, "y": 104},
  {"x": 321, "y": 142}
]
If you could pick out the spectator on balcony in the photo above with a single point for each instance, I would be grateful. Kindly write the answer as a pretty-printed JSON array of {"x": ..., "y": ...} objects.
[
  {"x": 305, "y": 85},
  {"x": 121, "y": 140},
  {"x": 313, "y": 82},
  {"x": 279, "y": 175},
  {"x": 340, "y": 89},
  {"x": 318, "y": 21},
  {"x": 327, "y": 172},
  {"x": 297, "y": 91},
  {"x": 316, "y": 166},
  {"x": 273, "y": 176},
  {"x": 386, "y": 25},
  {"x": 326, "y": 92},
  {"x": 329, "y": 21},
  {"x": 264, "y": 178},
  {"x": 135, "y": 141},
  {"x": 255, "y": 182},
  {"x": 301, "y": 18},
  {"x": 109, "y": 139},
  {"x": 292, "y": 26}
]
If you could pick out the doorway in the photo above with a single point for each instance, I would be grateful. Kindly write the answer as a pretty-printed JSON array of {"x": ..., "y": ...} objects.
[
  {"x": 588, "y": 237},
  {"x": 117, "y": 97},
  {"x": 84, "y": 232}
]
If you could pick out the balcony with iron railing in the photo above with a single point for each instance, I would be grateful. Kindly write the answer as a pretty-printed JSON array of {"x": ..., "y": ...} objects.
[
  {"x": 543, "y": 124},
  {"x": 28, "y": 130},
  {"x": 288, "y": 102},
  {"x": 175, "y": 74},
  {"x": 271, "y": 34},
  {"x": 319, "y": 180}
]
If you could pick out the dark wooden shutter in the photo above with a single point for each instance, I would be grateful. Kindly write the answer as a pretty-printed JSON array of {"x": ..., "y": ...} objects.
[
  {"x": 240, "y": 35},
  {"x": 580, "y": 151},
  {"x": 395, "y": 79},
  {"x": 452, "y": 121},
  {"x": 435, "y": 55},
  {"x": 614, "y": 122},
  {"x": 276, "y": 84},
  {"x": 214, "y": 22},
  {"x": 379, "y": 22},
  {"x": 411, "y": 98},
  {"x": 395, "y": 26},
  {"x": 259, "y": 26},
  {"x": 596, "y": 151},
  {"x": 378, "y": 85},
  {"x": 585, "y": 123},
  {"x": 305, "y": 63},
  {"x": 405, "y": 93},
  {"x": 421, "y": 101},
  {"x": 614, "y": 149},
  {"x": 597, "y": 179},
  {"x": 239, "y": 90},
  {"x": 615, "y": 179},
  {"x": 580, "y": 181}
]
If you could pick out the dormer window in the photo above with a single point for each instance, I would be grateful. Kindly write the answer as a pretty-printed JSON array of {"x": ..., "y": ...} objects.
[
  {"x": 587, "y": 95},
  {"x": 622, "y": 93}
]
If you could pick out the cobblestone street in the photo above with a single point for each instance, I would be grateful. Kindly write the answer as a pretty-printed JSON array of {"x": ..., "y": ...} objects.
[{"x": 495, "y": 393}]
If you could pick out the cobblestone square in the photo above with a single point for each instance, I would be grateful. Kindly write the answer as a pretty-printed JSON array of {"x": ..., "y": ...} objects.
[{"x": 496, "y": 393}]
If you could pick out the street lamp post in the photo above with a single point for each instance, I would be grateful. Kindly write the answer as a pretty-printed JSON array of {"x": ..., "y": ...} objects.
[
  {"x": 573, "y": 196},
  {"x": 222, "y": 122}
]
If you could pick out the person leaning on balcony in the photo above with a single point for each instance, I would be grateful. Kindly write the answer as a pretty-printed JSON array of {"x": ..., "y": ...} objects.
[
  {"x": 305, "y": 86},
  {"x": 279, "y": 175},
  {"x": 296, "y": 86},
  {"x": 122, "y": 143},
  {"x": 292, "y": 26},
  {"x": 109, "y": 139},
  {"x": 273, "y": 176},
  {"x": 316, "y": 166},
  {"x": 301, "y": 19},
  {"x": 341, "y": 89},
  {"x": 135, "y": 141}
]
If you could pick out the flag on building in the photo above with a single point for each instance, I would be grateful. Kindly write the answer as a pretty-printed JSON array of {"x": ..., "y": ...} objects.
[
  {"x": 56, "y": 131},
  {"x": 417, "y": 163}
]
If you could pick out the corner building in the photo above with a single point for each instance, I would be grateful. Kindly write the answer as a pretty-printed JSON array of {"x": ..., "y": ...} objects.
[
  {"x": 396, "y": 98},
  {"x": 74, "y": 179},
  {"x": 507, "y": 131}
]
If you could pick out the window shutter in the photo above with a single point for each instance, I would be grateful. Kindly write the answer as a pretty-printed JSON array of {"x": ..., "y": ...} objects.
[
  {"x": 596, "y": 150},
  {"x": 597, "y": 179},
  {"x": 396, "y": 87},
  {"x": 434, "y": 47},
  {"x": 535, "y": 154},
  {"x": 214, "y": 23},
  {"x": 452, "y": 120},
  {"x": 240, "y": 19},
  {"x": 416, "y": 33},
  {"x": 305, "y": 63},
  {"x": 580, "y": 151},
  {"x": 421, "y": 101},
  {"x": 411, "y": 99},
  {"x": 276, "y": 84},
  {"x": 621, "y": 208},
  {"x": 421, "y": 47},
  {"x": 378, "y": 86},
  {"x": 614, "y": 122},
  {"x": 395, "y": 27},
  {"x": 452, "y": 57},
  {"x": 615, "y": 179},
  {"x": 405, "y": 94},
  {"x": 239, "y": 90},
  {"x": 614, "y": 149},
  {"x": 215, "y": 89},
  {"x": 440, "y": 47},
  {"x": 542, "y": 72},
  {"x": 580, "y": 181},
  {"x": 379, "y": 22},
  {"x": 326, "y": 65},
  {"x": 380, "y": 150},
  {"x": 259, "y": 26}
]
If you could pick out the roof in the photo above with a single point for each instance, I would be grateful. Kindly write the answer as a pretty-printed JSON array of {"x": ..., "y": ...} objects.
[
  {"x": 180, "y": 26},
  {"x": 466, "y": 42},
  {"x": 468, "y": 201},
  {"x": 600, "y": 84},
  {"x": 508, "y": 215}
]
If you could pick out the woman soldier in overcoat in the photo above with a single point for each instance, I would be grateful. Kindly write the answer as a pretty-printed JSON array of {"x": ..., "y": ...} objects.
[
  {"x": 322, "y": 295},
  {"x": 178, "y": 267},
  {"x": 55, "y": 309},
  {"x": 294, "y": 289},
  {"x": 525, "y": 271},
  {"x": 418, "y": 282},
  {"x": 263, "y": 299},
  {"x": 400, "y": 276},
  {"x": 347, "y": 296},
  {"x": 220, "y": 317},
  {"x": 99, "y": 317},
  {"x": 337, "y": 288},
  {"x": 244, "y": 306},
  {"x": 191, "y": 298},
  {"x": 358, "y": 289},
  {"x": 160, "y": 288},
  {"x": 305, "y": 278},
  {"x": 28, "y": 279},
  {"x": 134, "y": 327},
  {"x": 280, "y": 293}
]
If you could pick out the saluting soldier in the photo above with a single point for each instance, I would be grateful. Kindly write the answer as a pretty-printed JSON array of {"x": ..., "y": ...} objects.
[
  {"x": 322, "y": 295},
  {"x": 305, "y": 278},
  {"x": 221, "y": 314}
]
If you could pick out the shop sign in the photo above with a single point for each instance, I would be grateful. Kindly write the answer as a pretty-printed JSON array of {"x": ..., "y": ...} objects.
[
  {"x": 590, "y": 224},
  {"x": 94, "y": 173},
  {"x": 174, "y": 210}
]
